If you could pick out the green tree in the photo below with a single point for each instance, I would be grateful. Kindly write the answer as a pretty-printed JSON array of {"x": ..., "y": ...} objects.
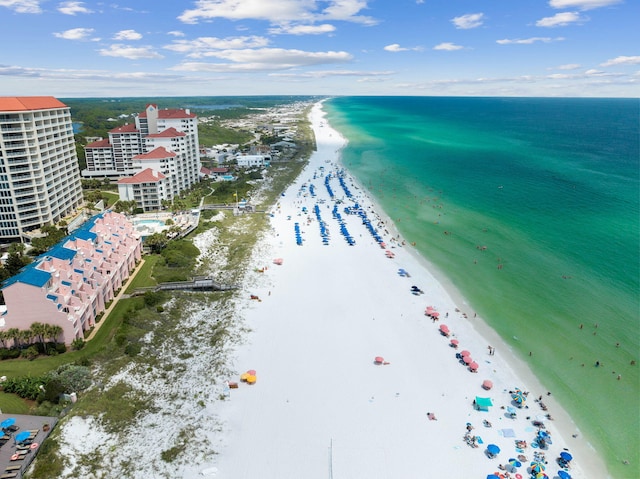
[
  {"x": 156, "y": 242},
  {"x": 38, "y": 330},
  {"x": 53, "y": 332},
  {"x": 14, "y": 334}
]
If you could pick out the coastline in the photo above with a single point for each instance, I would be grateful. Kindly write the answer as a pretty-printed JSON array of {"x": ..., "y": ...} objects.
[{"x": 504, "y": 368}]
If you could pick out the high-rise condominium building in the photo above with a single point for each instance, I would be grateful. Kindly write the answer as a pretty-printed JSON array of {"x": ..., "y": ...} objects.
[
  {"x": 39, "y": 174},
  {"x": 133, "y": 148}
]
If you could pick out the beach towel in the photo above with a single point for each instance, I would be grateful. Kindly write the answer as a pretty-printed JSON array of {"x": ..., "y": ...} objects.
[
  {"x": 508, "y": 433},
  {"x": 479, "y": 439}
]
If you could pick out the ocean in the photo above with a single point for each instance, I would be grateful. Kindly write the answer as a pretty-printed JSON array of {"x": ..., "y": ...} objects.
[{"x": 530, "y": 207}]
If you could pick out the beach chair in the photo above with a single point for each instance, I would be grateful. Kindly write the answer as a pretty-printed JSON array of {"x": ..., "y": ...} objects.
[
  {"x": 17, "y": 467},
  {"x": 8, "y": 475}
]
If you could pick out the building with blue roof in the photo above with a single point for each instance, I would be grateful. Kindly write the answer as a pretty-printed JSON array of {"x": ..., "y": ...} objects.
[{"x": 70, "y": 284}]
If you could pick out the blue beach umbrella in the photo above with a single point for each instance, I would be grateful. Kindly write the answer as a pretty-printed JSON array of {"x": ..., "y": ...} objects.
[
  {"x": 564, "y": 475},
  {"x": 493, "y": 449},
  {"x": 493, "y": 476},
  {"x": 22, "y": 436},
  {"x": 8, "y": 422},
  {"x": 514, "y": 462},
  {"x": 566, "y": 456}
]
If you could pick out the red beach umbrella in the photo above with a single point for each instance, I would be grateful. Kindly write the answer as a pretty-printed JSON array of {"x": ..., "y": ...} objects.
[
  {"x": 486, "y": 384},
  {"x": 473, "y": 366},
  {"x": 464, "y": 352},
  {"x": 455, "y": 342},
  {"x": 467, "y": 359},
  {"x": 434, "y": 314},
  {"x": 251, "y": 372},
  {"x": 444, "y": 328},
  {"x": 378, "y": 360}
]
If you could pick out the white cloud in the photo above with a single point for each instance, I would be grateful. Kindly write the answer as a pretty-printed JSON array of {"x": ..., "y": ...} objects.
[
  {"x": 75, "y": 34},
  {"x": 528, "y": 41},
  {"x": 302, "y": 29},
  {"x": 332, "y": 73},
  {"x": 470, "y": 20},
  {"x": 176, "y": 33},
  {"x": 448, "y": 46},
  {"x": 204, "y": 46},
  {"x": 395, "y": 47},
  {"x": 582, "y": 4},
  {"x": 126, "y": 51},
  {"x": 264, "y": 59},
  {"x": 127, "y": 35},
  {"x": 71, "y": 8},
  {"x": 569, "y": 66},
  {"x": 621, "y": 60},
  {"x": 277, "y": 11},
  {"x": 561, "y": 20},
  {"x": 22, "y": 6}
]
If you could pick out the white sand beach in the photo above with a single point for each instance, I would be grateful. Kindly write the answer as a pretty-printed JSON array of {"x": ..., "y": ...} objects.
[{"x": 321, "y": 407}]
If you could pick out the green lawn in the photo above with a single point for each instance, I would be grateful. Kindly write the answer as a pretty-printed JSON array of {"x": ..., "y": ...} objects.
[{"x": 12, "y": 404}]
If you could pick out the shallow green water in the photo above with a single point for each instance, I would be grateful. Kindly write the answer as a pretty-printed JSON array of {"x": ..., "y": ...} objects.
[{"x": 531, "y": 208}]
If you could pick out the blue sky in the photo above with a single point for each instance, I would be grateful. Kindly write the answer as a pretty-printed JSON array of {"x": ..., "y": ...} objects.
[{"x": 320, "y": 47}]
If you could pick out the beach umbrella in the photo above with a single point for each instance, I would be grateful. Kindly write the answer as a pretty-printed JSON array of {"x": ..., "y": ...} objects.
[
  {"x": 435, "y": 314},
  {"x": 8, "y": 423},
  {"x": 493, "y": 476},
  {"x": 564, "y": 475},
  {"x": 455, "y": 342},
  {"x": 244, "y": 376},
  {"x": 467, "y": 359},
  {"x": 464, "y": 352},
  {"x": 251, "y": 379},
  {"x": 541, "y": 475},
  {"x": 251, "y": 372},
  {"x": 514, "y": 462},
  {"x": 486, "y": 384},
  {"x": 444, "y": 329},
  {"x": 537, "y": 467},
  {"x": 378, "y": 360},
  {"x": 22, "y": 436},
  {"x": 493, "y": 449},
  {"x": 474, "y": 366},
  {"x": 565, "y": 456}
]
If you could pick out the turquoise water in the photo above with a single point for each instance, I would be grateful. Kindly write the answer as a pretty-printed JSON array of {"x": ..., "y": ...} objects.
[{"x": 539, "y": 200}]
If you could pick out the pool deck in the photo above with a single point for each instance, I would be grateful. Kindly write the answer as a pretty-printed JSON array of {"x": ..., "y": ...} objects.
[{"x": 12, "y": 460}]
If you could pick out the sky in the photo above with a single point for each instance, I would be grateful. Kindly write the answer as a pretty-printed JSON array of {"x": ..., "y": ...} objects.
[{"x": 143, "y": 48}]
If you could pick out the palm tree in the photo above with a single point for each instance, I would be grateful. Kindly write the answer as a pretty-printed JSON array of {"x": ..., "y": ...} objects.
[
  {"x": 3, "y": 338},
  {"x": 53, "y": 332},
  {"x": 38, "y": 330},
  {"x": 14, "y": 333},
  {"x": 26, "y": 336}
]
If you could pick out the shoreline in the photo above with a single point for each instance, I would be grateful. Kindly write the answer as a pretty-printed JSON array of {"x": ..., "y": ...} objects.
[
  {"x": 506, "y": 367},
  {"x": 562, "y": 418}
]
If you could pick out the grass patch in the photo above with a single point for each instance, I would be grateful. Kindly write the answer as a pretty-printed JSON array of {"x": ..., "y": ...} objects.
[
  {"x": 12, "y": 404},
  {"x": 144, "y": 278}
]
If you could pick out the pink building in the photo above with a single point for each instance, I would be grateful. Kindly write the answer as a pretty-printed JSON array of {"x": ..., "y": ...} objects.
[{"x": 70, "y": 285}]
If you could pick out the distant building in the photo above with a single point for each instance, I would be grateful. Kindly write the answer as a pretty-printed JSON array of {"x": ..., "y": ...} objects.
[
  {"x": 39, "y": 177},
  {"x": 71, "y": 284},
  {"x": 164, "y": 140},
  {"x": 245, "y": 161}
]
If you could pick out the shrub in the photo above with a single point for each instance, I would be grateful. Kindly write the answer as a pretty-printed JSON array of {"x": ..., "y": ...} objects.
[
  {"x": 9, "y": 353},
  {"x": 70, "y": 377},
  {"x": 77, "y": 344},
  {"x": 132, "y": 349},
  {"x": 30, "y": 353},
  {"x": 26, "y": 387}
]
